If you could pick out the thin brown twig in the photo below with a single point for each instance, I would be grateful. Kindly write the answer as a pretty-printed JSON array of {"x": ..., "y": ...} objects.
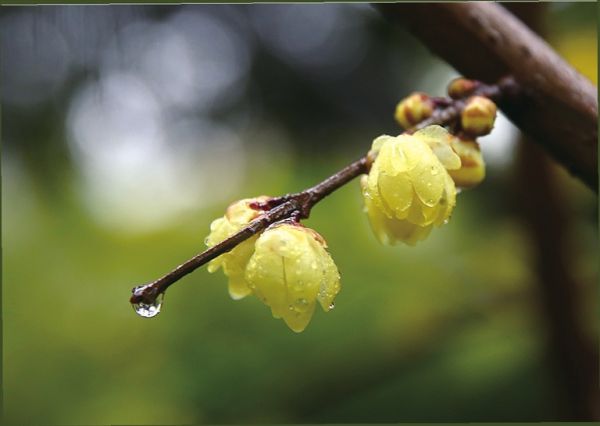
[
  {"x": 289, "y": 206},
  {"x": 298, "y": 205}
]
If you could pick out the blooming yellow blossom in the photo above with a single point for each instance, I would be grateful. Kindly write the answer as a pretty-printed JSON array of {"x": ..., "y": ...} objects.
[
  {"x": 237, "y": 216},
  {"x": 290, "y": 271},
  {"x": 472, "y": 170},
  {"x": 408, "y": 189}
]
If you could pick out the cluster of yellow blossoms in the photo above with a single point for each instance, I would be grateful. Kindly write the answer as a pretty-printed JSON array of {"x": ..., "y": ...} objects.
[
  {"x": 286, "y": 266},
  {"x": 411, "y": 187}
]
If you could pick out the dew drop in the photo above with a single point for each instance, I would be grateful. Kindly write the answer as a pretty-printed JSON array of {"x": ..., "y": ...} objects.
[
  {"x": 149, "y": 310},
  {"x": 331, "y": 306},
  {"x": 446, "y": 221},
  {"x": 302, "y": 302}
]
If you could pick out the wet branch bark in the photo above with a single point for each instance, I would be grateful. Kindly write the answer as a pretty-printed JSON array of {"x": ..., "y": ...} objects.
[{"x": 558, "y": 107}]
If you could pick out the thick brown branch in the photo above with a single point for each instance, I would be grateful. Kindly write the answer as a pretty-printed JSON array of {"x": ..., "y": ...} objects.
[{"x": 483, "y": 41}]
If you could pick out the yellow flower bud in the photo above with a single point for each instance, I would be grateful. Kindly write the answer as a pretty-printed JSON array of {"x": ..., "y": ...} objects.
[
  {"x": 413, "y": 109},
  {"x": 461, "y": 87},
  {"x": 290, "y": 271},
  {"x": 408, "y": 190},
  {"x": 237, "y": 216},
  {"x": 472, "y": 170},
  {"x": 478, "y": 116}
]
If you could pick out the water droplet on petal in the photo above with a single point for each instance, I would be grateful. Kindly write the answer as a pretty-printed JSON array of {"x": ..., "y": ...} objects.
[
  {"x": 149, "y": 310},
  {"x": 331, "y": 306}
]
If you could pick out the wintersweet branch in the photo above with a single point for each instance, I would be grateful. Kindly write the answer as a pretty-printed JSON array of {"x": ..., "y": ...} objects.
[
  {"x": 291, "y": 206},
  {"x": 298, "y": 205}
]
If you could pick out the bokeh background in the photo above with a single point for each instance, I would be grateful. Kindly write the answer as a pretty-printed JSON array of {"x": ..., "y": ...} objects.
[{"x": 127, "y": 129}]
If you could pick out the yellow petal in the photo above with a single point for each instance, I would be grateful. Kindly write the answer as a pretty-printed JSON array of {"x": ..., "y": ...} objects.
[
  {"x": 238, "y": 215},
  {"x": 447, "y": 202},
  {"x": 396, "y": 192},
  {"x": 378, "y": 142},
  {"x": 391, "y": 231},
  {"x": 439, "y": 140},
  {"x": 297, "y": 321},
  {"x": 428, "y": 179}
]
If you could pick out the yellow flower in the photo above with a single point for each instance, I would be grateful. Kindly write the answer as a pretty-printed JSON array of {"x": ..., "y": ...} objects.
[
  {"x": 237, "y": 216},
  {"x": 413, "y": 109},
  {"x": 408, "y": 189},
  {"x": 290, "y": 271},
  {"x": 472, "y": 170}
]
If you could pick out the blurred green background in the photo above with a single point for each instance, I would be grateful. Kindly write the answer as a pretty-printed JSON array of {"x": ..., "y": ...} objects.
[{"x": 127, "y": 130}]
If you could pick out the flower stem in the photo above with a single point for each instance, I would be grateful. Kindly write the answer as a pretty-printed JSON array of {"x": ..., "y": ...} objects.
[{"x": 298, "y": 204}]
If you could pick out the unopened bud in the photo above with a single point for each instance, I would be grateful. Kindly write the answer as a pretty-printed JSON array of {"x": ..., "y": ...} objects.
[
  {"x": 472, "y": 169},
  {"x": 413, "y": 109},
  {"x": 478, "y": 116},
  {"x": 461, "y": 87}
]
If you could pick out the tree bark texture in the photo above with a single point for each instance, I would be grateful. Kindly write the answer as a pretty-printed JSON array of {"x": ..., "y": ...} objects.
[{"x": 558, "y": 107}]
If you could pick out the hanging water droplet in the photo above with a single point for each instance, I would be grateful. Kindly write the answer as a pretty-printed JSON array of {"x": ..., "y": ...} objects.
[
  {"x": 331, "y": 306},
  {"x": 446, "y": 221},
  {"x": 149, "y": 310}
]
